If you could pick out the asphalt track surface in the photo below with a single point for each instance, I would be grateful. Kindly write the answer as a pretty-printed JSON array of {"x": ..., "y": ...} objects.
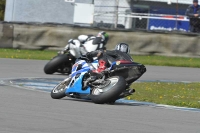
[{"x": 28, "y": 111}]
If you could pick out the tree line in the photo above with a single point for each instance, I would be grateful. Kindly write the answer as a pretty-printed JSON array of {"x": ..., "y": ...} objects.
[{"x": 2, "y": 9}]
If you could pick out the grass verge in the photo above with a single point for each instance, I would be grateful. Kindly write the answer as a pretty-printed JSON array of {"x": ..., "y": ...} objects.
[
  {"x": 147, "y": 60},
  {"x": 27, "y": 54},
  {"x": 177, "y": 94},
  {"x": 168, "y": 61}
]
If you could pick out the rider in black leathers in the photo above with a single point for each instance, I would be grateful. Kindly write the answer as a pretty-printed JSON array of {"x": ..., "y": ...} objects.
[{"x": 105, "y": 58}]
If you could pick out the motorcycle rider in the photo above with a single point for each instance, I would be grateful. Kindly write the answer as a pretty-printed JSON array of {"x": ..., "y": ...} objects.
[
  {"x": 87, "y": 43},
  {"x": 121, "y": 52},
  {"x": 102, "y": 36},
  {"x": 105, "y": 59}
]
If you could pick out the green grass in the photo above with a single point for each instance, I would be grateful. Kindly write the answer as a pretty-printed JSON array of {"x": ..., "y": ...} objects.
[
  {"x": 27, "y": 54},
  {"x": 146, "y": 60},
  {"x": 177, "y": 94},
  {"x": 168, "y": 61}
]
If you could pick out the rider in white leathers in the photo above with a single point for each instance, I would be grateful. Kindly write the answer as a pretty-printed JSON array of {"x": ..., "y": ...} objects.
[{"x": 86, "y": 43}]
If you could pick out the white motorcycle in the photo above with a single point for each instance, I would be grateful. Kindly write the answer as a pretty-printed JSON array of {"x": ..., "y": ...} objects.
[{"x": 63, "y": 62}]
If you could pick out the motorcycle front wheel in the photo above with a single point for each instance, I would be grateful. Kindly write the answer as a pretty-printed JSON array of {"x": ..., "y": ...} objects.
[
  {"x": 109, "y": 91},
  {"x": 57, "y": 62},
  {"x": 58, "y": 91}
]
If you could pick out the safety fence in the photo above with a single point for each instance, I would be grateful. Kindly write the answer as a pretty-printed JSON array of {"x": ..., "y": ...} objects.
[{"x": 164, "y": 15}]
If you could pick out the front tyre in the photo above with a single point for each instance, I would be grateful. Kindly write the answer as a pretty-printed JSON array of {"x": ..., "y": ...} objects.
[
  {"x": 58, "y": 91},
  {"x": 109, "y": 90}
]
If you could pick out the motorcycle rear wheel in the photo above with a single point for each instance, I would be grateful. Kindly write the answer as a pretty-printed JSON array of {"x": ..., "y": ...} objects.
[{"x": 109, "y": 91}]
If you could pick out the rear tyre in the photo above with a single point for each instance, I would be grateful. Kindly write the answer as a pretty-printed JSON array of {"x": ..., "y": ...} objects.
[
  {"x": 109, "y": 91},
  {"x": 58, "y": 91},
  {"x": 55, "y": 63}
]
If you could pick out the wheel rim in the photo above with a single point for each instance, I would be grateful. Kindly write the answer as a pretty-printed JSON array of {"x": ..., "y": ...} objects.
[
  {"x": 97, "y": 91},
  {"x": 61, "y": 87}
]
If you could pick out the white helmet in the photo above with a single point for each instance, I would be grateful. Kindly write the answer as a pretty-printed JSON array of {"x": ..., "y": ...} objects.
[{"x": 123, "y": 47}]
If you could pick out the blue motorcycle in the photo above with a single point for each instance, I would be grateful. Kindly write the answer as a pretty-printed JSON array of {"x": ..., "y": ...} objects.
[{"x": 106, "y": 87}]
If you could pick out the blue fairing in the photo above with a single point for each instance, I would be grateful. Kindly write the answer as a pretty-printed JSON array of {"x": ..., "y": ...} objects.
[
  {"x": 80, "y": 71},
  {"x": 84, "y": 68},
  {"x": 77, "y": 87}
]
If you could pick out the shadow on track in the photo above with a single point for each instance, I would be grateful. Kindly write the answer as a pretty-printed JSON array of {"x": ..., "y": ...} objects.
[{"x": 117, "y": 103}]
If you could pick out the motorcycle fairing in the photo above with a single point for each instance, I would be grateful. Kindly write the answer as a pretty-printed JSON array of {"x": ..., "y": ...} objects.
[
  {"x": 85, "y": 67},
  {"x": 75, "y": 66},
  {"x": 80, "y": 71},
  {"x": 117, "y": 63},
  {"x": 75, "y": 86}
]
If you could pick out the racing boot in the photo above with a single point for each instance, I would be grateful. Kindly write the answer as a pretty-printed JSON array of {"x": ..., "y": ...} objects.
[
  {"x": 99, "y": 72},
  {"x": 101, "y": 66}
]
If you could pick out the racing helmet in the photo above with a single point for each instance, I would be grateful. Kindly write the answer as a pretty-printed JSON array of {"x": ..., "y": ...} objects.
[
  {"x": 104, "y": 36},
  {"x": 123, "y": 47}
]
